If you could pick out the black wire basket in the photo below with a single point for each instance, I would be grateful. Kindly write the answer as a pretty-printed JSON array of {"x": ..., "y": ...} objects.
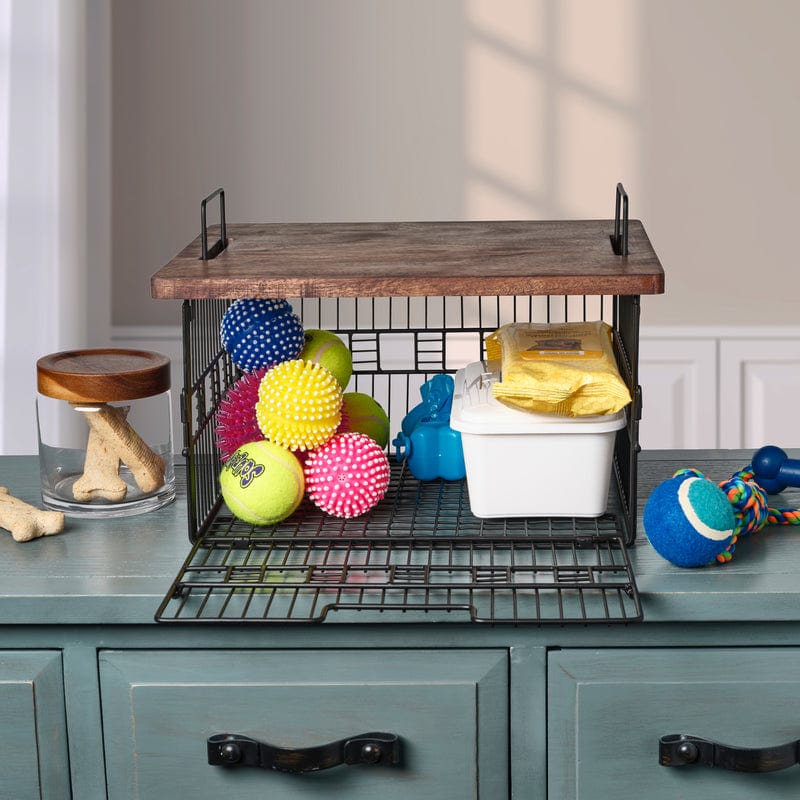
[{"x": 419, "y": 554}]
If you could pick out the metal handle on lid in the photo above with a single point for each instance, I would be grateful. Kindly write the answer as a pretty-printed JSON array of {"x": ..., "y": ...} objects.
[
  {"x": 222, "y": 242},
  {"x": 619, "y": 241}
]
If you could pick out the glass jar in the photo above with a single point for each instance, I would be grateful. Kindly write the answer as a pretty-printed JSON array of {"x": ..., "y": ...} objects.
[{"x": 105, "y": 431}]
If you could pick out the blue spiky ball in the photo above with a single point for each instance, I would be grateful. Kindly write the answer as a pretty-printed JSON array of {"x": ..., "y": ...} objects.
[
  {"x": 689, "y": 520},
  {"x": 261, "y": 333}
]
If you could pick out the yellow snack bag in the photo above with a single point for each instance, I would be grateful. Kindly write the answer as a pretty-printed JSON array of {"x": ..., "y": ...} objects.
[{"x": 565, "y": 368}]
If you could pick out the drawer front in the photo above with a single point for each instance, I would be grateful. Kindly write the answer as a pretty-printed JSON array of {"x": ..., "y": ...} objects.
[
  {"x": 607, "y": 711},
  {"x": 33, "y": 733},
  {"x": 449, "y": 708}
]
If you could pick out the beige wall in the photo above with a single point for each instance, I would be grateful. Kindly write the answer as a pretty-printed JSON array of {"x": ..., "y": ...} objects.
[{"x": 440, "y": 109}]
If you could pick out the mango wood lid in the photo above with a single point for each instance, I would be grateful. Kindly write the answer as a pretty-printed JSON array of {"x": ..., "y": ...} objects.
[{"x": 102, "y": 375}]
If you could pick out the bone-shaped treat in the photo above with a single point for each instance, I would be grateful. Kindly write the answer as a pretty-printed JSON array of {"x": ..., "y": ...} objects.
[
  {"x": 121, "y": 439},
  {"x": 26, "y": 522},
  {"x": 101, "y": 468}
]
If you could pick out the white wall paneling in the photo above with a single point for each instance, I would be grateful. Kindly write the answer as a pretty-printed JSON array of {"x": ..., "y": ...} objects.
[
  {"x": 759, "y": 387},
  {"x": 702, "y": 387},
  {"x": 679, "y": 392},
  {"x": 163, "y": 339}
]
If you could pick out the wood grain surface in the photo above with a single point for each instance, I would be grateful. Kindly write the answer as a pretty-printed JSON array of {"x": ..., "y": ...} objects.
[{"x": 564, "y": 257}]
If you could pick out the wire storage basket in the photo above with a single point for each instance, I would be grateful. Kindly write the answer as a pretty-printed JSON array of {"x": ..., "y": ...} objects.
[{"x": 419, "y": 554}]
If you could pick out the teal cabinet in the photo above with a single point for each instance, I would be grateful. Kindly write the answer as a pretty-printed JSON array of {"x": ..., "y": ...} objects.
[
  {"x": 449, "y": 709},
  {"x": 97, "y": 702},
  {"x": 33, "y": 737},
  {"x": 607, "y": 710}
]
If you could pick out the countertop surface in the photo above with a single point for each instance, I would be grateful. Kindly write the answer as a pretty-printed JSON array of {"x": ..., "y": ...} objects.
[{"x": 101, "y": 571}]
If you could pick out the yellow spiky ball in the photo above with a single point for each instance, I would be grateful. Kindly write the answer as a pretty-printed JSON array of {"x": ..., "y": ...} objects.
[{"x": 299, "y": 405}]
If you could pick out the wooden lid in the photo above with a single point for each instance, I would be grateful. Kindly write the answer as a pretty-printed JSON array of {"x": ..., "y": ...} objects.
[
  {"x": 102, "y": 375},
  {"x": 399, "y": 259}
]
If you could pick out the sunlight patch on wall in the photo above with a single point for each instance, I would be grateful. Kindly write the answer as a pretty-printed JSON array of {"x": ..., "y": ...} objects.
[
  {"x": 589, "y": 167},
  {"x": 552, "y": 89},
  {"x": 505, "y": 145},
  {"x": 516, "y": 24},
  {"x": 597, "y": 47}
]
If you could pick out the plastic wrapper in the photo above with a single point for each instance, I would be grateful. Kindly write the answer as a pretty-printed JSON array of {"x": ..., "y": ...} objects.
[{"x": 565, "y": 368}]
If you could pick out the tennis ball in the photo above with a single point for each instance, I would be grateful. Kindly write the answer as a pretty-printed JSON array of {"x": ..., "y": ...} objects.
[
  {"x": 363, "y": 414},
  {"x": 262, "y": 483},
  {"x": 329, "y": 351},
  {"x": 689, "y": 520}
]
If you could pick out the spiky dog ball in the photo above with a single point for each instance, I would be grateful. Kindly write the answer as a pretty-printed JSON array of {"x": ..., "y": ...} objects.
[
  {"x": 299, "y": 405},
  {"x": 347, "y": 476},
  {"x": 261, "y": 332},
  {"x": 236, "y": 417}
]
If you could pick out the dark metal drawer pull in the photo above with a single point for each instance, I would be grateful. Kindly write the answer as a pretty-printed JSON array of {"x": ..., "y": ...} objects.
[
  {"x": 678, "y": 750},
  {"x": 233, "y": 750}
]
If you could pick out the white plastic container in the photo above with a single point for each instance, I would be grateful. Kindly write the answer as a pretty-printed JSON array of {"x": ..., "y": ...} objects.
[{"x": 522, "y": 464}]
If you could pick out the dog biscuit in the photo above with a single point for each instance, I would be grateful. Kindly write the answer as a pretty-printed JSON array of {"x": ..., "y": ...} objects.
[
  {"x": 120, "y": 438},
  {"x": 100, "y": 477},
  {"x": 26, "y": 522}
]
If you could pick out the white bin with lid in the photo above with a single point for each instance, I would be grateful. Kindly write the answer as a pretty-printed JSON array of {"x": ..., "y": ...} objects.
[{"x": 523, "y": 464}]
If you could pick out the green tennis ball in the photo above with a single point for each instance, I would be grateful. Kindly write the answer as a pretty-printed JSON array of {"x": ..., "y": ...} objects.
[
  {"x": 262, "y": 483},
  {"x": 363, "y": 414},
  {"x": 329, "y": 351}
]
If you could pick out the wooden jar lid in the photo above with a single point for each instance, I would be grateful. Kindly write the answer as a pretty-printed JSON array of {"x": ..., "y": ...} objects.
[{"x": 102, "y": 375}]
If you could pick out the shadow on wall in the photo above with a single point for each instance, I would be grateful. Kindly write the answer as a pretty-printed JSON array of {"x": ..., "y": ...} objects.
[
  {"x": 363, "y": 110},
  {"x": 721, "y": 124}
]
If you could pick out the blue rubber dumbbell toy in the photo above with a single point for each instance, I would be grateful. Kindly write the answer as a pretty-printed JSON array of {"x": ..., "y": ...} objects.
[{"x": 773, "y": 470}]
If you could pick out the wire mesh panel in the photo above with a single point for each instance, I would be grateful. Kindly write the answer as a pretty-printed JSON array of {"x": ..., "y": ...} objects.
[
  {"x": 420, "y": 551},
  {"x": 397, "y": 344},
  {"x": 420, "y": 555},
  {"x": 314, "y": 579}
]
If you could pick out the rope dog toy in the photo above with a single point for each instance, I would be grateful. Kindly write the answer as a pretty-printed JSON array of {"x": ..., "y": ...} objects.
[{"x": 692, "y": 521}]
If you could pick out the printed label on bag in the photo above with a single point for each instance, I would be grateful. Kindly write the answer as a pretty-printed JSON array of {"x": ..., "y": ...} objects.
[{"x": 558, "y": 348}]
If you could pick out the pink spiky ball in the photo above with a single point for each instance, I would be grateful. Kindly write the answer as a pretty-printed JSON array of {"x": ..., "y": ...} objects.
[
  {"x": 236, "y": 418},
  {"x": 347, "y": 476}
]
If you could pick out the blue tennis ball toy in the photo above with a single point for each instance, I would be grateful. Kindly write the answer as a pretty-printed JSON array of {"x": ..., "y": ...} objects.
[
  {"x": 689, "y": 520},
  {"x": 261, "y": 333}
]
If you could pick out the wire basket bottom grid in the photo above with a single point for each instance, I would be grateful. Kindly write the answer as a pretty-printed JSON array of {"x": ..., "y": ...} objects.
[{"x": 477, "y": 579}]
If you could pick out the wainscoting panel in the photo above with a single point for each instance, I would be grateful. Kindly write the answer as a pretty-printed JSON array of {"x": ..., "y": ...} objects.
[
  {"x": 759, "y": 391},
  {"x": 164, "y": 339},
  {"x": 679, "y": 392},
  {"x": 702, "y": 387}
]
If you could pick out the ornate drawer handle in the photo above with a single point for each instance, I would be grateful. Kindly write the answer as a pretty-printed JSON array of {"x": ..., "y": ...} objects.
[
  {"x": 678, "y": 750},
  {"x": 233, "y": 750}
]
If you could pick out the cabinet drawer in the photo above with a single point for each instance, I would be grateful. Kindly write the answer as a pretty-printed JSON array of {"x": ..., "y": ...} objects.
[
  {"x": 33, "y": 734},
  {"x": 449, "y": 708},
  {"x": 607, "y": 711}
]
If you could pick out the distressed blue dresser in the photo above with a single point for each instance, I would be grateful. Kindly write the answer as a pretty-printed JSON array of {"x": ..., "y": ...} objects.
[{"x": 99, "y": 701}]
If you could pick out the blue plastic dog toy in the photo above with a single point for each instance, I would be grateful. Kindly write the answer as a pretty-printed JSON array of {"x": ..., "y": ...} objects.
[{"x": 427, "y": 442}]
